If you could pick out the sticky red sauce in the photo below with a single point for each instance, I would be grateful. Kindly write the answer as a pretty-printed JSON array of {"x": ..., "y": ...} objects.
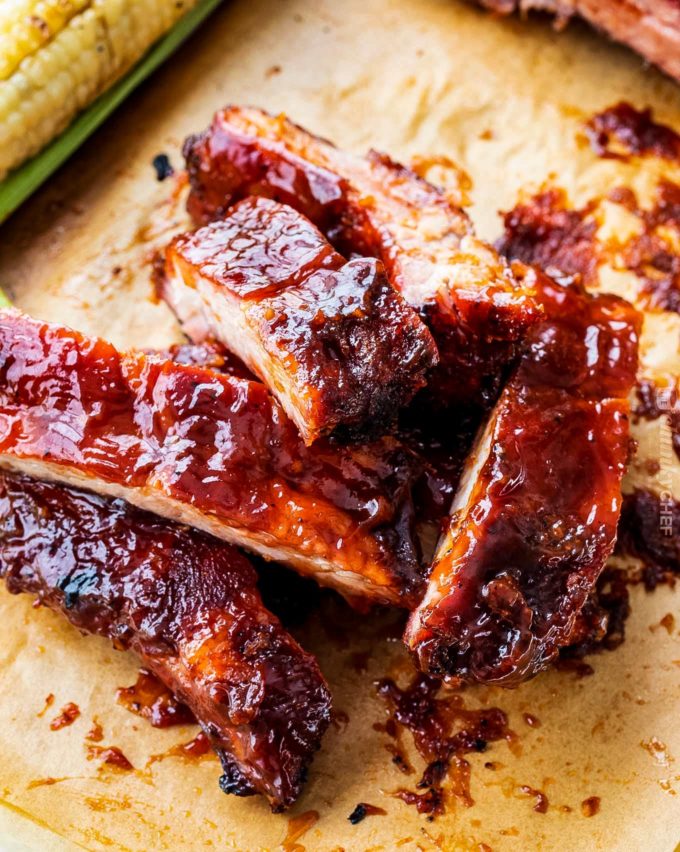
[
  {"x": 547, "y": 232},
  {"x": 621, "y": 131},
  {"x": 443, "y": 731},
  {"x": 163, "y": 422},
  {"x": 96, "y": 732},
  {"x": 297, "y": 826},
  {"x": 69, "y": 713},
  {"x": 194, "y": 749},
  {"x": 149, "y": 698},
  {"x": 590, "y": 806},
  {"x": 110, "y": 756},
  {"x": 541, "y": 802}
]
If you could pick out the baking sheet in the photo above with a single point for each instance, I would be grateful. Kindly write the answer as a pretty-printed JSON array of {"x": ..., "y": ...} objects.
[{"x": 507, "y": 101}]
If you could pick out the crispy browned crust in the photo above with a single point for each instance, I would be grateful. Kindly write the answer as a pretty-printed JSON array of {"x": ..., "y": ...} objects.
[
  {"x": 333, "y": 341},
  {"x": 211, "y": 450},
  {"x": 477, "y": 311},
  {"x": 535, "y": 518},
  {"x": 188, "y": 605}
]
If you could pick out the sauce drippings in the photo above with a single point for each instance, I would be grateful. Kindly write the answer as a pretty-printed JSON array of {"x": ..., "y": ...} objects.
[
  {"x": 49, "y": 701},
  {"x": 149, "y": 698},
  {"x": 362, "y": 810},
  {"x": 590, "y": 806},
  {"x": 44, "y": 782},
  {"x": 69, "y": 713},
  {"x": 541, "y": 802},
  {"x": 547, "y": 232},
  {"x": 96, "y": 732},
  {"x": 443, "y": 731},
  {"x": 621, "y": 131},
  {"x": 109, "y": 756},
  {"x": 194, "y": 749},
  {"x": 297, "y": 826}
]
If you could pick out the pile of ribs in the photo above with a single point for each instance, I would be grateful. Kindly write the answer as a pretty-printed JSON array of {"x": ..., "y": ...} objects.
[
  {"x": 651, "y": 27},
  {"x": 331, "y": 301}
]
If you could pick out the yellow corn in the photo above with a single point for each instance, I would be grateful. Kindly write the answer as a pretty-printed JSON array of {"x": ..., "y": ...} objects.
[{"x": 56, "y": 56}]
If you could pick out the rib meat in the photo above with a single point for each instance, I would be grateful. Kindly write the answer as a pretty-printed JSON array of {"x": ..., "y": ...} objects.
[
  {"x": 188, "y": 605},
  {"x": 535, "y": 517},
  {"x": 332, "y": 340},
  {"x": 373, "y": 206},
  {"x": 210, "y": 450},
  {"x": 651, "y": 27}
]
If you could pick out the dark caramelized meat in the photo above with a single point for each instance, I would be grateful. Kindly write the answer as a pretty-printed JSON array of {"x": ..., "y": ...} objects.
[
  {"x": 188, "y": 605},
  {"x": 215, "y": 452},
  {"x": 332, "y": 340},
  {"x": 535, "y": 517},
  {"x": 651, "y": 27},
  {"x": 373, "y": 206}
]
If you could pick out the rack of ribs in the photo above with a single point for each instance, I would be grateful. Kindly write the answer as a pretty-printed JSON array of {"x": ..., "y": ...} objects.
[
  {"x": 332, "y": 340},
  {"x": 535, "y": 516},
  {"x": 188, "y": 606},
  {"x": 210, "y": 450},
  {"x": 477, "y": 311},
  {"x": 651, "y": 27}
]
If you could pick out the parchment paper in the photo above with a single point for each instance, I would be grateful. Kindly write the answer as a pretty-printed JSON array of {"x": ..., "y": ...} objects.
[{"x": 423, "y": 77}]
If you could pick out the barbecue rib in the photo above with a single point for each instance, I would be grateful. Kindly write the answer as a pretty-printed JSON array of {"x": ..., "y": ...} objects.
[
  {"x": 332, "y": 340},
  {"x": 651, "y": 27},
  {"x": 209, "y": 450},
  {"x": 535, "y": 517},
  {"x": 188, "y": 605},
  {"x": 476, "y": 310}
]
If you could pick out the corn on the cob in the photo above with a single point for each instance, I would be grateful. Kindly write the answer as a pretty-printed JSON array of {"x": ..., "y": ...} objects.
[{"x": 56, "y": 56}]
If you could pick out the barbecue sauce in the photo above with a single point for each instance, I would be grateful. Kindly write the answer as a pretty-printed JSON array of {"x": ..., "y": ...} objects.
[
  {"x": 444, "y": 730},
  {"x": 69, "y": 713},
  {"x": 149, "y": 698}
]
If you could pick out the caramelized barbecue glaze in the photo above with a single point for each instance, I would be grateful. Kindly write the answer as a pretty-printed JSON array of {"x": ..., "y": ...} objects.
[
  {"x": 188, "y": 605},
  {"x": 540, "y": 500},
  {"x": 333, "y": 341},
  {"x": 477, "y": 311},
  {"x": 211, "y": 450}
]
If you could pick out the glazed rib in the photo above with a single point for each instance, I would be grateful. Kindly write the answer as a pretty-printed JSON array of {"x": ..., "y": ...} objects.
[
  {"x": 334, "y": 343},
  {"x": 651, "y": 27},
  {"x": 188, "y": 605},
  {"x": 209, "y": 450},
  {"x": 373, "y": 206},
  {"x": 535, "y": 517}
]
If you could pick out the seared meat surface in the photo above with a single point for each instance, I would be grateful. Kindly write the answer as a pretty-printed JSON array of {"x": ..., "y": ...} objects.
[
  {"x": 534, "y": 520},
  {"x": 210, "y": 450},
  {"x": 477, "y": 311},
  {"x": 651, "y": 27},
  {"x": 188, "y": 605},
  {"x": 333, "y": 341}
]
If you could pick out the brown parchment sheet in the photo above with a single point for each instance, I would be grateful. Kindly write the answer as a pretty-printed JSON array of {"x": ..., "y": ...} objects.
[{"x": 412, "y": 77}]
